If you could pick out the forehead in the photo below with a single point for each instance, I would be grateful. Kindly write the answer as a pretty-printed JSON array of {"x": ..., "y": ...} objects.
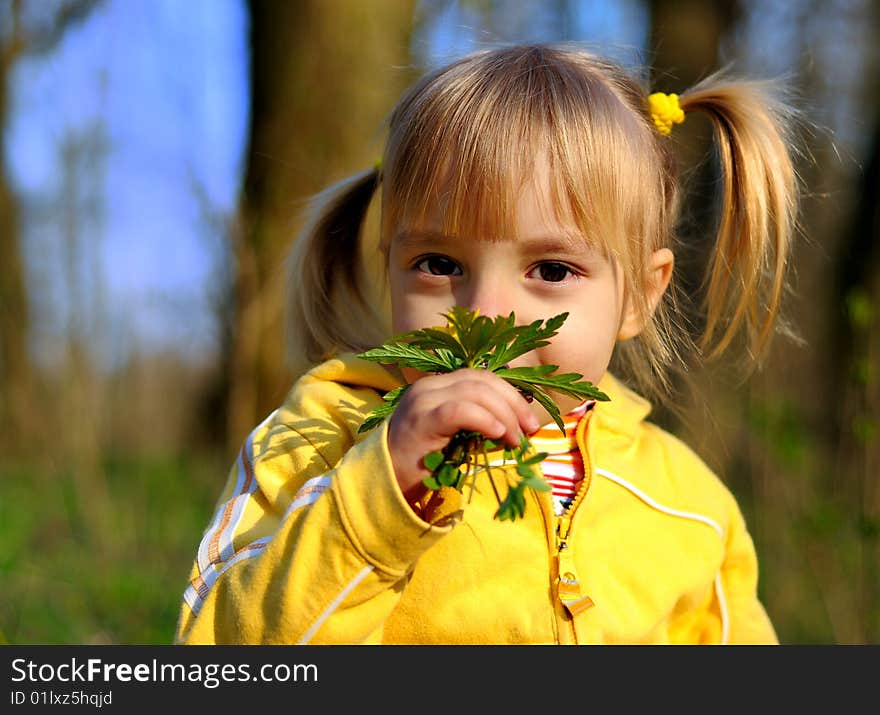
[
  {"x": 524, "y": 207},
  {"x": 530, "y": 206}
]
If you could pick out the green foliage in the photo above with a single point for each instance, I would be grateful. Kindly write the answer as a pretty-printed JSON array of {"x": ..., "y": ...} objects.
[
  {"x": 864, "y": 428},
  {"x": 781, "y": 426},
  {"x": 474, "y": 341},
  {"x": 63, "y": 586},
  {"x": 860, "y": 308}
]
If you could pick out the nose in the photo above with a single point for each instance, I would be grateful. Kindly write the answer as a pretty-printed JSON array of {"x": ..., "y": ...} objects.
[{"x": 490, "y": 295}]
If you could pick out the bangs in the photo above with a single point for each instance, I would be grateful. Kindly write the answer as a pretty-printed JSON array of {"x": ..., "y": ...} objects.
[{"x": 468, "y": 138}]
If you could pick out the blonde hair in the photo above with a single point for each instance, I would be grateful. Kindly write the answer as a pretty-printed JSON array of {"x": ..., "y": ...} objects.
[{"x": 474, "y": 129}]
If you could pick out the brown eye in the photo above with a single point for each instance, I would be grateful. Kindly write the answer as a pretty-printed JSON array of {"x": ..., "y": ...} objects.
[
  {"x": 438, "y": 266},
  {"x": 553, "y": 272}
]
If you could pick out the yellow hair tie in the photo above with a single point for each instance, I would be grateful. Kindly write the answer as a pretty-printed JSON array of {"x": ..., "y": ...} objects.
[{"x": 665, "y": 111}]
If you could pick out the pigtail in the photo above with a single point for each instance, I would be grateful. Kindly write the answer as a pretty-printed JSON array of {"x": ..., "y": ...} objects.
[
  {"x": 745, "y": 279},
  {"x": 328, "y": 306}
]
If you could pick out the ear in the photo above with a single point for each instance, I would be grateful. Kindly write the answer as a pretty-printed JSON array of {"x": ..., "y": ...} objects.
[{"x": 659, "y": 272}]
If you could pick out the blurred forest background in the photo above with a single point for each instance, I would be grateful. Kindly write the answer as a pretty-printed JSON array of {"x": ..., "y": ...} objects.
[{"x": 154, "y": 155}]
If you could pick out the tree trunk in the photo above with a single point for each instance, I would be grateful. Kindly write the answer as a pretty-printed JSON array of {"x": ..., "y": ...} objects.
[
  {"x": 17, "y": 417},
  {"x": 14, "y": 321},
  {"x": 323, "y": 77},
  {"x": 14, "y": 363}
]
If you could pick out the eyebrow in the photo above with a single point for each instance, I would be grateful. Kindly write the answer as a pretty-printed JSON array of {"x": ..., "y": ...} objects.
[
  {"x": 558, "y": 243},
  {"x": 418, "y": 237},
  {"x": 552, "y": 243}
]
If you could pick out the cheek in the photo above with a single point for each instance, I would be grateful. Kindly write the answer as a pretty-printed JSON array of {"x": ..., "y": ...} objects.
[
  {"x": 407, "y": 313},
  {"x": 413, "y": 311},
  {"x": 586, "y": 342},
  {"x": 398, "y": 311},
  {"x": 401, "y": 303},
  {"x": 413, "y": 305}
]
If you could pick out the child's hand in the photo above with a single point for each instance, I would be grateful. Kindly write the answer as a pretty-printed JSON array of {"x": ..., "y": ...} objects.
[{"x": 435, "y": 407}]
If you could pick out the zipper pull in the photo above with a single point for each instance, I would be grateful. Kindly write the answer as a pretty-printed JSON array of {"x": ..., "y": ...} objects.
[{"x": 568, "y": 588}]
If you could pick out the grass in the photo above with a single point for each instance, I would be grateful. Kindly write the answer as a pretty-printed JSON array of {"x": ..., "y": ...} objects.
[{"x": 64, "y": 581}]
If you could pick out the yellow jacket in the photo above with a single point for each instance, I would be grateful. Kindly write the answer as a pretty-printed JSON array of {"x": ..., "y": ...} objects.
[{"x": 313, "y": 542}]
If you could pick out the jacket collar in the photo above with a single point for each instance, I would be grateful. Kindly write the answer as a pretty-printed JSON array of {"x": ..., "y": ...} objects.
[
  {"x": 626, "y": 409},
  {"x": 349, "y": 369}
]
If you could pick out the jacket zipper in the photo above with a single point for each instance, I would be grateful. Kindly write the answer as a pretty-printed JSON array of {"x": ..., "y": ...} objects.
[{"x": 568, "y": 589}]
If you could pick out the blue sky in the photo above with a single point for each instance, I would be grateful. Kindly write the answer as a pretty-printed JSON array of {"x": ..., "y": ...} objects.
[
  {"x": 617, "y": 27},
  {"x": 165, "y": 85}
]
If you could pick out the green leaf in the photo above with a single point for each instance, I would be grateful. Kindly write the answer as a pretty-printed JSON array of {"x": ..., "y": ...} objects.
[
  {"x": 472, "y": 340},
  {"x": 372, "y": 420},
  {"x": 524, "y": 470},
  {"x": 531, "y": 372},
  {"x": 476, "y": 338},
  {"x": 376, "y": 417},
  {"x": 386, "y": 409},
  {"x": 393, "y": 396},
  {"x": 513, "y": 507},
  {"x": 451, "y": 359},
  {"x": 551, "y": 327},
  {"x": 433, "y": 460},
  {"x": 543, "y": 399},
  {"x": 461, "y": 320},
  {"x": 525, "y": 338},
  {"x": 539, "y": 484},
  {"x": 407, "y": 355},
  {"x": 434, "y": 339},
  {"x": 539, "y": 457},
  {"x": 569, "y": 383},
  {"x": 448, "y": 474}
]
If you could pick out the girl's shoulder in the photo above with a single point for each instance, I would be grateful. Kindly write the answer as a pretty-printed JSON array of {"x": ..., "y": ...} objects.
[
  {"x": 344, "y": 381},
  {"x": 334, "y": 396},
  {"x": 317, "y": 423},
  {"x": 651, "y": 463}
]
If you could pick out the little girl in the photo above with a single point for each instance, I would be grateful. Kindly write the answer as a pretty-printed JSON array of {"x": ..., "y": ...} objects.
[{"x": 536, "y": 180}]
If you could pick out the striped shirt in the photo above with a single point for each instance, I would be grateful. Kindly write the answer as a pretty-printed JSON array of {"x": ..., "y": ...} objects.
[{"x": 564, "y": 466}]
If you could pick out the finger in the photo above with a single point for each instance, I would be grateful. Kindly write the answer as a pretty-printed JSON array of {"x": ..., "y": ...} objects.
[
  {"x": 451, "y": 416},
  {"x": 438, "y": 405},
  {"x": 431, "y": 408},
  {"x": 514, "y": 400},
  {"x": 500, "y": 404}
]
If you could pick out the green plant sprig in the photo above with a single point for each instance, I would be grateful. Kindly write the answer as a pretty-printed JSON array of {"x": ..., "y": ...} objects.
[{"x": 474, "y": 341}]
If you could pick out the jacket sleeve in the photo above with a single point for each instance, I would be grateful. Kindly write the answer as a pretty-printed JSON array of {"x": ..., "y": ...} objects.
[
  {"x": 748, "y": 622},
  {"x": 304, "y": 547}
]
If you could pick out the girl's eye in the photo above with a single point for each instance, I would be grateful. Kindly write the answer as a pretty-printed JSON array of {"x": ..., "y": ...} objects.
[
  {"x": 552, "y": 272},
  {"x": 438, "y": 266}
]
